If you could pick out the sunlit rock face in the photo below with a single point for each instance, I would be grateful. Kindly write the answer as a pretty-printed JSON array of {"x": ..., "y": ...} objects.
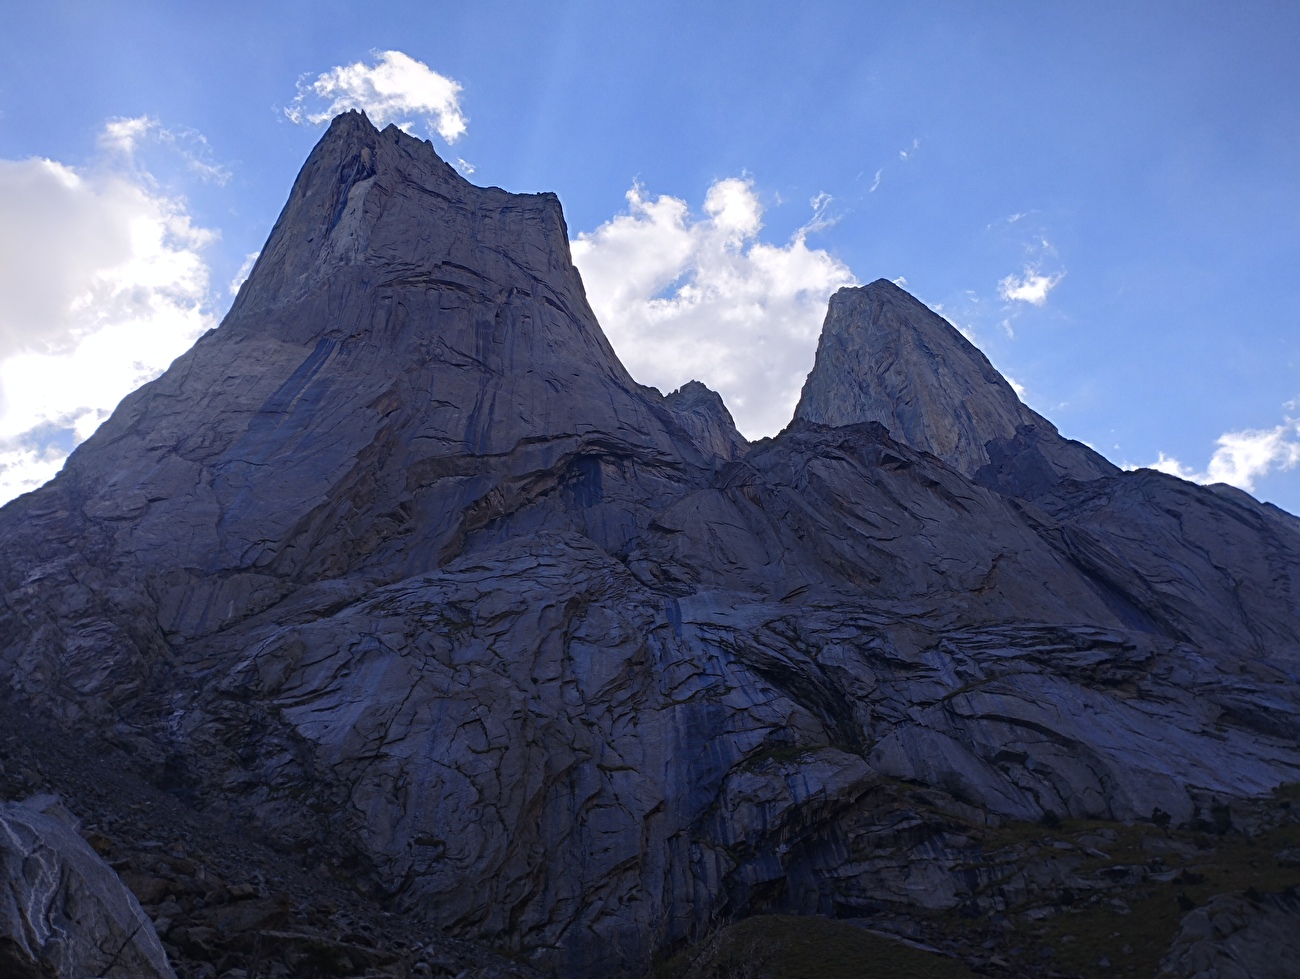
[
  {"x": 401, "y": 570},
  {"x": 885, "y": 357}
]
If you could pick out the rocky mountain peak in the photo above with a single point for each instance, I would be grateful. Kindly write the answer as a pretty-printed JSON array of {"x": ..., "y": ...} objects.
[
  {"x": 701, "y": 411},
  {"x": 884, "y": 356},
  {"x": 384, "y": 204},
  {"x": 407, "y": 345}
]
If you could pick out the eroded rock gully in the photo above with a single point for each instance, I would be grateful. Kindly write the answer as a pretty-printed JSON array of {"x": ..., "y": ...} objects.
[{"x": 400, "y": 579}]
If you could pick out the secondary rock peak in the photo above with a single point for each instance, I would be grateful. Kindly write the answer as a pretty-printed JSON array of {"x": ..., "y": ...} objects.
[
  {"x": 701, "y": 411},
  {"x": 885, "y": 356}
]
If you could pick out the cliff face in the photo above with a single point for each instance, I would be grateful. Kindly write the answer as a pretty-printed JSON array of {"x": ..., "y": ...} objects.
[{"x": 401, "y": 570}]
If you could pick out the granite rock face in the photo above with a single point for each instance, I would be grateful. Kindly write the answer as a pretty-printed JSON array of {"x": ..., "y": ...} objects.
[
  {"x": 64, "y": 914},
  {"x": 885, "y": 357},
  {"x": 400, "y": 570}
]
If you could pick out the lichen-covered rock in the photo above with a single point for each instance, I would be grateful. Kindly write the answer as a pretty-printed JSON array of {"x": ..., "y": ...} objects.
[{"x": 64, "y": 914}]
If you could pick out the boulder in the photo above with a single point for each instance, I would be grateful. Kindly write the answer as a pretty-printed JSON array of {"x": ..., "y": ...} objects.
[{"x": 64, "y": 914}]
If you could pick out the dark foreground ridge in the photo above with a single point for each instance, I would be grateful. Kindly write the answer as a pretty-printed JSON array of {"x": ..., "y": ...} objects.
[{"x": 414, "y": 637}]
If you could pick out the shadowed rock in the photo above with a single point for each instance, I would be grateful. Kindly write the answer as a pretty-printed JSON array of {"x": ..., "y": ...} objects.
[{"x": 1235, "y": 937}]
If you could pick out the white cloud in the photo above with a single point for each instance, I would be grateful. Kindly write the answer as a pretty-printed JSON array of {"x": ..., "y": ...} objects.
[
  {"x": 104, "y": 284},
  {"x": 396, "y": 89},
  {"x": 127, "y": 136},
  {"x": 1242, "y": 457},
  {"x": 1032, "y": 287},
  {"x": 245, "y": 269},
  {"x": 821, "y": 219},
  {"x": 683, "y": 296},
  {"x": 23, "y": 469},
  {"x": 876, "y": 181},
  {"x": 1172, "y": 467}
]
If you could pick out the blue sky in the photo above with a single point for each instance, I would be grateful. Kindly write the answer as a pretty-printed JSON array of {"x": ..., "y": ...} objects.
[{"x": 1106, "y": 197}]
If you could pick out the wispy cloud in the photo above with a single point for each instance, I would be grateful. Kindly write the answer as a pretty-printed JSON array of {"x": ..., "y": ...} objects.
[
  {"x": 125, "y": 137},
  {"x": 1011, "y": 219},
  {"x": 876, "y": 181},
  {"x": 396, "y": 89},
  {"x": 822, "y": 218},
  {"x": 685, "y": 296},
  {"x": 245, "y": 269},
  {"x": 1030, "y": 287},
  {"x": 909, "y": 152},
  {"x": 1242, "y": 457}
]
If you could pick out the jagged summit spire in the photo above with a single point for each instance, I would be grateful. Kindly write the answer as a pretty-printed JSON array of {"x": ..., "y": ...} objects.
[
  {"x": 701, "y": 411},
  {"x": 885, "y": 356},
  {"x": 382, "y": 201}
]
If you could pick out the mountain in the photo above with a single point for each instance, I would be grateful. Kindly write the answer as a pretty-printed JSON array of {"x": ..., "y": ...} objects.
[{"x": 404, "y": 598}]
